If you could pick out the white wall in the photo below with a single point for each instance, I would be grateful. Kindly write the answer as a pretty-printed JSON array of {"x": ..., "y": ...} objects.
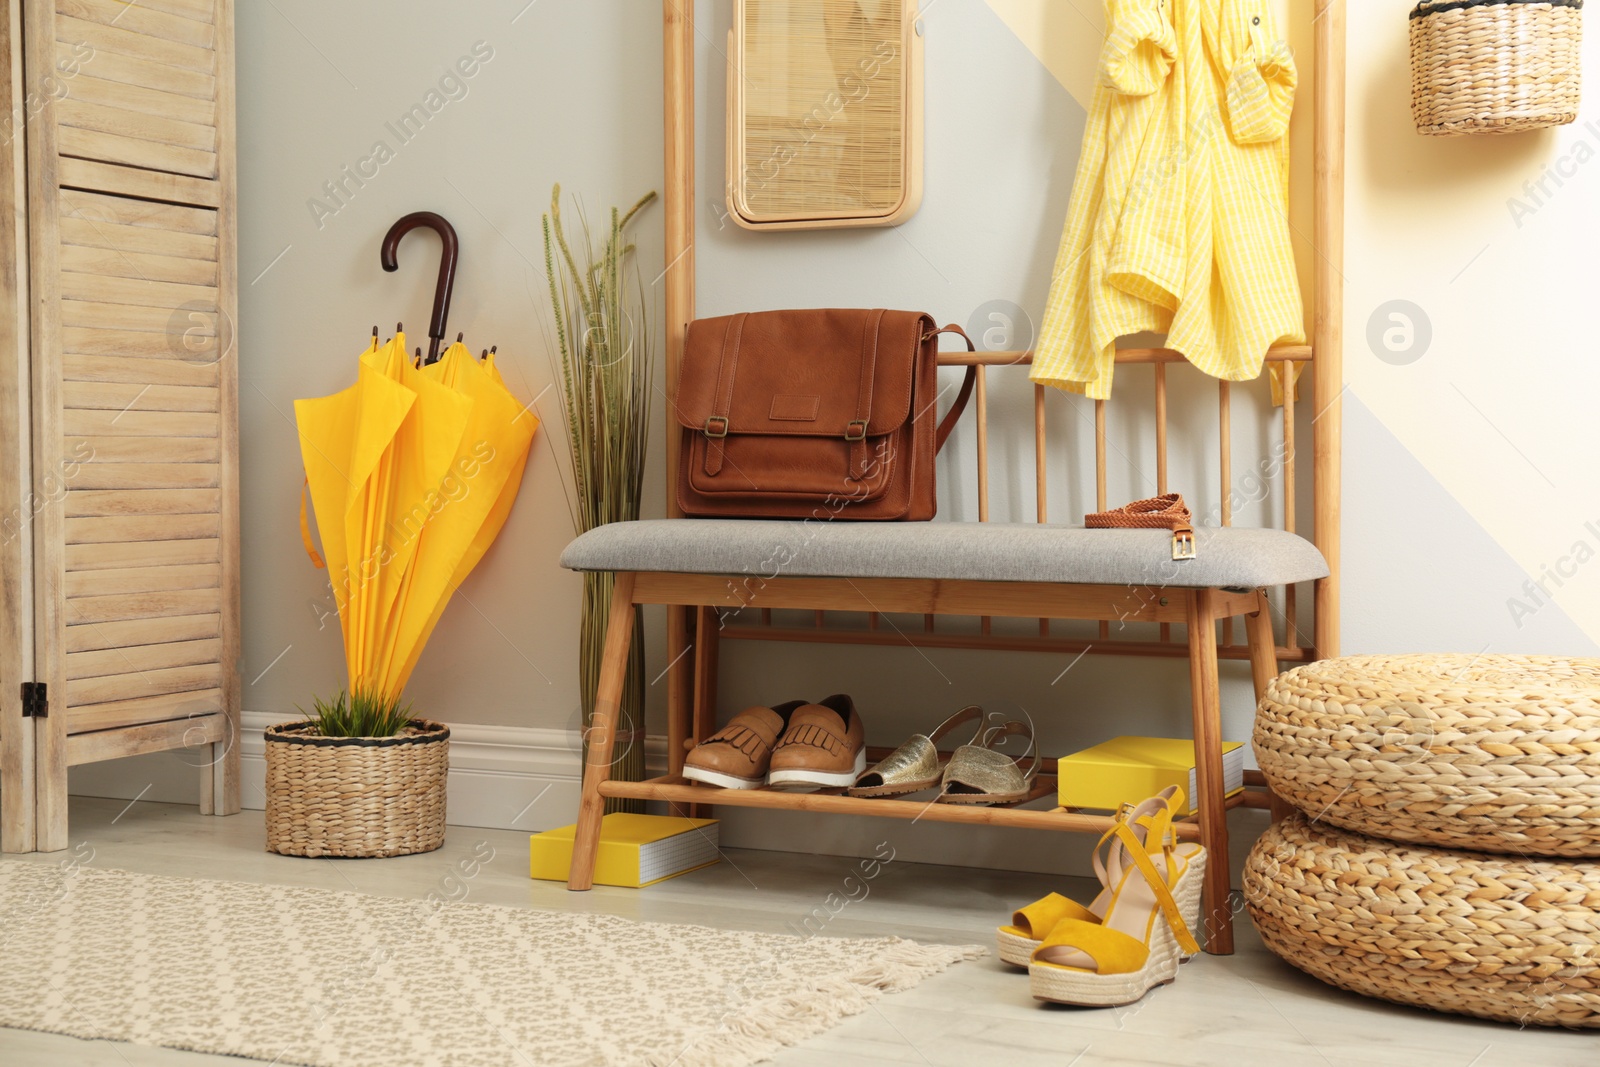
[{"x": 1465, "y": 470}]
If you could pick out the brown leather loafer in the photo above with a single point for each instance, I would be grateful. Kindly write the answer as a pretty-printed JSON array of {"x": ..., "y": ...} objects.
[
  {"x": 738, "y": 755},
  {"x": 824, "y": 745}
]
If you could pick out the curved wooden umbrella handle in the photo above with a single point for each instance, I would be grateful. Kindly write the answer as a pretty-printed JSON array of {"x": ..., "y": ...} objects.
[{"x": 450, "y": 253}]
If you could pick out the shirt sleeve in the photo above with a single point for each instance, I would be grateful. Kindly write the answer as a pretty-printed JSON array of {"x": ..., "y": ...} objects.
[
  {"x": 1260, "y": 93},
  {"x": 1140, "y": 47}
]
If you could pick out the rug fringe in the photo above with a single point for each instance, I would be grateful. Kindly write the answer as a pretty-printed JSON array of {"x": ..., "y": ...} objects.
[{"x": 768, "y": 1025}]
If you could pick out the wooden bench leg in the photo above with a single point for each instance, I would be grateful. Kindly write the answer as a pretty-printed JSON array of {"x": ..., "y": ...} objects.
[
  {"x": 602, "y": 732},
  {"x": 1206, "y": 696},
  {"x": 1263, "y": 669},
  {"x": 708, "y": 636},
  {"x": 680, "y": 680}
]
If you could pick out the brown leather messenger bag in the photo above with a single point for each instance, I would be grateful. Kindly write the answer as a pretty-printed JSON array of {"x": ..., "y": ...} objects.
[{"x": 822, "y": 414}]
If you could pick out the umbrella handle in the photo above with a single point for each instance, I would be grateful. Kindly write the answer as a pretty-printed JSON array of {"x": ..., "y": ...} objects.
[{"x": 451, "y": 252}]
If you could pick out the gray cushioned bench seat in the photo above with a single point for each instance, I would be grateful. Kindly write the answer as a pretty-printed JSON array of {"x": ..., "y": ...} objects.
[{"x": 1227, "y": 557}]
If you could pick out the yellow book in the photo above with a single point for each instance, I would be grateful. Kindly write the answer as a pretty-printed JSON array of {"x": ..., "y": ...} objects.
[
  {"x": 635, "y": 850},
  {"x": 1129, "y": 769}
]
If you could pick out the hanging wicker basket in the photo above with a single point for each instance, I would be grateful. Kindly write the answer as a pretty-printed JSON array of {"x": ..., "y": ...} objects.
[
  {"x": 356, "y": 796},
  {"x": 1495, "y": 66}
]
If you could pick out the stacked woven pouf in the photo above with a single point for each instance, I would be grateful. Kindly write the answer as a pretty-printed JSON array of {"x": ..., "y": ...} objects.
[{"x": 1446, "y": 851}]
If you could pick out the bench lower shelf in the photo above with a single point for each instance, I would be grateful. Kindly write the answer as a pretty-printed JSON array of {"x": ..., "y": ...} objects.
[{"x": 674, "y": 789}]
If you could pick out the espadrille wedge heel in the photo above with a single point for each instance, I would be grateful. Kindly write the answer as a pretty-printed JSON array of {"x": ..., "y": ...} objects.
[
  {"x": 1151, "y": 822},
  {"x": 1142, "y": 938}
]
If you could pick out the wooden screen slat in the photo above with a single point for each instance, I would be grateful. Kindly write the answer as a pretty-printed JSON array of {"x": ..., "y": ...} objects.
[
  {"x": 113, "y": 555},
  {"x": 100, "y": 528},
  {"x": 115, "y": 714},
  {"x": 135, "y": 71},
  {"x": 120, "y": 263},
  {"x": 139, "y": 46},
  {"x": 162, "y": 320},
  {"x": 154, "y": 372},
  {"x": 139, "y": 423},
  {"x": 87, "y": 637},
  {"x": 107, "y": 661},
  {"x": 157, "y": 682},
  {"x": 113, "y": 581},
  {"x": 197, "y": 10},
  {"x": 138, "y": 16},
  {"x": 152, "y": 155},
  {"x": 102, "y": 233},
  {"x": 106, "y": 118},
  {"x": 96, "y": 609},
  {"x": 78, "y": 175},
  {"x": 145, "y": 476},
  {"x": 129, "y": 344},
  {"x": 126, "y": 396},
  {"x": 92, "y": 90},
  {"x": 137, "y": 292},
  {"x": 89, "y": 450},
  {"x": 88, "y": 502},
  {"x": 120, "y": 210},
  {"x": 191, "y": 731}
]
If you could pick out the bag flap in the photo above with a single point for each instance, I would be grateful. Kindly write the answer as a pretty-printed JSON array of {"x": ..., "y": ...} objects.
[{"x": 801, "y": 373}]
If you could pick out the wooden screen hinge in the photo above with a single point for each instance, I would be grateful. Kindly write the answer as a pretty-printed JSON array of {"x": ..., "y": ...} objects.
[{"x": 35, "y": 700}]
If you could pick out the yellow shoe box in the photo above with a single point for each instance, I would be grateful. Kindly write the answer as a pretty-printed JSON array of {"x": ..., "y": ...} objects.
[
  {"x": 1130, "y": 769},
  {"x": 635, "y": 850}
]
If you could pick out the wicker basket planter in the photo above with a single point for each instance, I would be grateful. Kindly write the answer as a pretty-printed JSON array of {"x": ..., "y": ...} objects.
[
  {"x": 1496, "y": 753},
  {"x": 356, "y": 796},
  {"x": 1495, "y": 66},
  {"x": 1498, "y": 937}
]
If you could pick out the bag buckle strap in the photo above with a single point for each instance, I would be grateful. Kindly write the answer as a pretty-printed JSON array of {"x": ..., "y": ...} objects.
[
  {"x": 717, "y": 433},
  {"x": 856, "y": 430}
]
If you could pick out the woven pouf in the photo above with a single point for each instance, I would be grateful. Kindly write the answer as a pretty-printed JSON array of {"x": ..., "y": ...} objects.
[
  {"x": 1498, "y": 753},
  {"x": 1493, "y": 936}
]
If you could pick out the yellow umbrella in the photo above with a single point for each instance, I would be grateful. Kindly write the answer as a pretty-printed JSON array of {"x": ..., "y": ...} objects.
[
  {"x": 474, "y": 498},
  {"x": 412, "y": 473},
  {"x": 375, "y": 454},
  {"x": 343, "y": 440}
]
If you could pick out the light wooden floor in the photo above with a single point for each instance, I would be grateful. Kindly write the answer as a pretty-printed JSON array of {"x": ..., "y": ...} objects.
[{"x": 1243, "y": 1010}]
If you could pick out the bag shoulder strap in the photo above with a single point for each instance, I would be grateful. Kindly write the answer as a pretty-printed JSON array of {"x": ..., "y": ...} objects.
[{"x": 951, "y": 417}]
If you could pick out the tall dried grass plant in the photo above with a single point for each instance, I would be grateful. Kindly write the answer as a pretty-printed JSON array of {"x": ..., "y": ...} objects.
[{"x": 606, "y": 348}]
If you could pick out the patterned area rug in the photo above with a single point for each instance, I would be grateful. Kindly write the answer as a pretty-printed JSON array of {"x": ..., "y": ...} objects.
[{"x": 310, "y": 976}]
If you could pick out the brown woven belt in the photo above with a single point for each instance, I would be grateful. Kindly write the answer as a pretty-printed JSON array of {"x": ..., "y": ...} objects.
[{"x": 1167, "y": 512}]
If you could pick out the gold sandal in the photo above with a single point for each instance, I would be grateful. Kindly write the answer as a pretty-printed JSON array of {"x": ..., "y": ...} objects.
[
  {"x": 978, "y": 774},
  {"x": 915, "y": 765}
]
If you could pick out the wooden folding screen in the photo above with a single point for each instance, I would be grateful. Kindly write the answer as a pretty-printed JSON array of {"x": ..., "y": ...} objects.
[{"x": 133, "y": 296}]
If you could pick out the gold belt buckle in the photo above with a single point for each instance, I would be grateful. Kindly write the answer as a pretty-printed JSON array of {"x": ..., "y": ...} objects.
[{"x": 1183, "y": 543}]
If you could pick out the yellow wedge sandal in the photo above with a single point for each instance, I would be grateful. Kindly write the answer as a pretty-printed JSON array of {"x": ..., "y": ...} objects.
[
  {"x": 1029, "y": 926},
  {"x": 1140, "y": 941}
]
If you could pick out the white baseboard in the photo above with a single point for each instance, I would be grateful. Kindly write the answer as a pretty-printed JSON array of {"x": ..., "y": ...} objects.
[
  {"x": 526, "y": 778},
  {"x": 506, "y": 777}
]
